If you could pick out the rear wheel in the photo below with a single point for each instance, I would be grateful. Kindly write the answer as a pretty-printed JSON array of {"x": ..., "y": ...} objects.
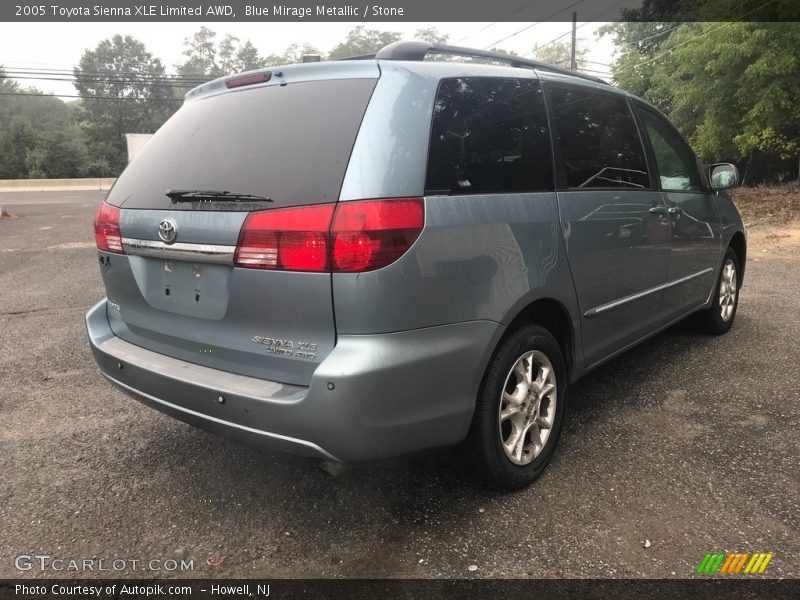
[
  {"x": 718, "y": 318},
  {"x": 519, "y": 410}
]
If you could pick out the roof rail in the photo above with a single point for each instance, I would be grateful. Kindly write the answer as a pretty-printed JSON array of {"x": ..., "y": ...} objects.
[
  {"x": 415, "y": 50},
  {"x": 358, "y": 57}
]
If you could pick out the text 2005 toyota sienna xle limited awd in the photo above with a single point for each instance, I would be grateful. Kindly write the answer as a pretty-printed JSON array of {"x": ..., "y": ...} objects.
[{"x": 359, "y": 259}]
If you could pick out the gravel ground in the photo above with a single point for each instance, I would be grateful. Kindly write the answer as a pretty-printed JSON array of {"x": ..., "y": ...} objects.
[{"x": 686, "y": 445}]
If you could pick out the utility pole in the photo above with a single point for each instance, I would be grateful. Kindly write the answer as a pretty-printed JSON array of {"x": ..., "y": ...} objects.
[{"x": 573, "y": 63}]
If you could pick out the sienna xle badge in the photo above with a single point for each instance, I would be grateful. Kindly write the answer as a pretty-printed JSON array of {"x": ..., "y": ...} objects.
[{"x": 359, "y": 259}]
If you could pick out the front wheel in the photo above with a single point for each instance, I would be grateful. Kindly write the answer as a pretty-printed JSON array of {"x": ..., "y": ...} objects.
[
  {"x": 519, "y": 409},
  {"x": 718, "y": 318}
]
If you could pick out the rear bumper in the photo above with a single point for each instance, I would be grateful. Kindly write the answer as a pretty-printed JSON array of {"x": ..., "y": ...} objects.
[{"x": 391, "y": 394}]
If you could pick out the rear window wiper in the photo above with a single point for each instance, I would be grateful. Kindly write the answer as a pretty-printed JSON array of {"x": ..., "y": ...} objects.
[{"x": 208, "y": 195}]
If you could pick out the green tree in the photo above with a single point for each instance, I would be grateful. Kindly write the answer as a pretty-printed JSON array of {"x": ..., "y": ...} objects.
[
  {"x": 35, "y": 163},
  {"x": 293, "y": 54},
  {"x": 503, "y": 51},
  {"x": 361, "y": 40},
  {"x": 200, "y": 51},
  {"x": 431, "y": 35},
  {"x": 37, "y": 130},
  {"x": 6, "y": 85},
  {"x": 207, "y": 59},
  {"x": 123, "y": 89},
  {"x": 58, "y": 153},
  {"x": 560, "y": 53},
  {"x": 733, "y": 88},
  {"x": 736, "y": 92},
  {"x": 248, "y": 58},
  {"x": 637, "y": 44},
  {"x": 17, "y": 138}
]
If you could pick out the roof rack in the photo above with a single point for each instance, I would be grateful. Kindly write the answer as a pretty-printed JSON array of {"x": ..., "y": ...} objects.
[{"x": 416, "y": 50}]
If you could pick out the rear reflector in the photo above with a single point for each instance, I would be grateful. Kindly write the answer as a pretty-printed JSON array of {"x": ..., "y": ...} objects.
[
  {"x": 106, "y": 229},
  {"x": 348, "y": 237},
  {"x": 252, "y": 79}
]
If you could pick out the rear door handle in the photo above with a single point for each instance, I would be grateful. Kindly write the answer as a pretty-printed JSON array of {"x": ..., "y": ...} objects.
[
  {"x": 658, "y": 210},
  {"x": 675, "y": 211}
]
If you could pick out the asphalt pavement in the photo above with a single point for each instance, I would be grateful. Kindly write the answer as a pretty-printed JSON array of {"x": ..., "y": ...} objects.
[{"x": 686, "y": 445}]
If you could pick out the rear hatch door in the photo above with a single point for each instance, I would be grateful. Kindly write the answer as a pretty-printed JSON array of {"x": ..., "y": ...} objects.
[{"x": 288, "y": 143}]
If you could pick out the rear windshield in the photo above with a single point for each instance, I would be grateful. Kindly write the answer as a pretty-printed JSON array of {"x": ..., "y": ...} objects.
[{"x": 288, "y": 143}]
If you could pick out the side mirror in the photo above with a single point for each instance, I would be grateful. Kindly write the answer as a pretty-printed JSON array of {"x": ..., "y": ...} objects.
[{"x": 723, "y": 176}]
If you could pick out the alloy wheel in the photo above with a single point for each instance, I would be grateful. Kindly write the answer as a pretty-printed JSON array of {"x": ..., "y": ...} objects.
[
  {"x": 727, "y": 290},
  {"x": 527, "y": 407}
]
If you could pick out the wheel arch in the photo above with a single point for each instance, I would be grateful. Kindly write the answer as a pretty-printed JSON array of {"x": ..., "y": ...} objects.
[
  {"x": 739, "y": 245},
  {"x": 553, "y": 316}
]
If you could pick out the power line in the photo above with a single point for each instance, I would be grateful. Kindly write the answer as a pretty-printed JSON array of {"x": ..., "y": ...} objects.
[
  {"x": 90, "y": 97},
  {"x": 527, "y": 27},
  {"x": 582, "y": 25},
  {"x": 31, "y": 74},
  {"x": 494, "y": 44},
  {"x": 113, "y": 80},
  {"x": 493, "y": 23},
  {"x": 649, "y": 37},
  {"x": 110, "y": 78},
  {"x": 466, "y": 37},
  {"x": 165, "y": 84},
  {"x": 530, "y": 52},
  {"x": 86, "y": 72},
  {"x": 112, "y": 74}
]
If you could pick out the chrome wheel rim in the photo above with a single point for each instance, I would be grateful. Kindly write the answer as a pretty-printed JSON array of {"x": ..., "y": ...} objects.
[
  {"x": 527, "y": 407},
  {"x": 727, "y": 291}
]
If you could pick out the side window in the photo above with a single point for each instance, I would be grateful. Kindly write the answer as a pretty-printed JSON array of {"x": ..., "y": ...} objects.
[
  {"x": 489, "y": 135},
  {"x": 600, "y": 145},
  {"x": 677, "y": 165}
]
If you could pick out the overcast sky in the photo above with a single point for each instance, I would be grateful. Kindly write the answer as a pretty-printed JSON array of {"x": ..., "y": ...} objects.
[{"x": 60, "y": 45}]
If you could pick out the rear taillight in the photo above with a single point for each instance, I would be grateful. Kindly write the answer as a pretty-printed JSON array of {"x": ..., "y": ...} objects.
[
  {"x": 106, "y": 229},
  {"x": 348, "y": 237},
  {"x": 370, "y": 234},
  {"x": 286, "y": 239}
]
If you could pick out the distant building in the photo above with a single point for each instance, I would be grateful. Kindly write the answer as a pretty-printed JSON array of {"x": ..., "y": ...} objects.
[{"x": 135, "y": 142}]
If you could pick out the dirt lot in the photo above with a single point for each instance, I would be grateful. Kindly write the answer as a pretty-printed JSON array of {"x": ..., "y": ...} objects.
[
  {"x": 768, "y": 207},
  {"x": 687, "y": 445}
]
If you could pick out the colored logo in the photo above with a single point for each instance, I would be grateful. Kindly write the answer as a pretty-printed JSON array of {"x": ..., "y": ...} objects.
[{"x": 734, "y": 563}]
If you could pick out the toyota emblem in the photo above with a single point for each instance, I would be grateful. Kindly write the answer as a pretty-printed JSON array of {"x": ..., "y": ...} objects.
[{"x": 167, "y": 231}]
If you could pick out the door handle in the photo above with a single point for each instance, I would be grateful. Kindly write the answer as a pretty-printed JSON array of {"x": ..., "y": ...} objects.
[
  {"x": 658, "y": 210},
  {"x": 675, "y": 211}
]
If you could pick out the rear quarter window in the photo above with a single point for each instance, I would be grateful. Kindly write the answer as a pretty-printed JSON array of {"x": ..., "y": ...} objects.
[{"x": 489, "y": 135}]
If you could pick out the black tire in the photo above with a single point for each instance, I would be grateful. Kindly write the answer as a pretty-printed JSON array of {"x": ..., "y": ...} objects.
[
  {"x": 484, "y": 444},
  {"x": 711, "y": 320}
]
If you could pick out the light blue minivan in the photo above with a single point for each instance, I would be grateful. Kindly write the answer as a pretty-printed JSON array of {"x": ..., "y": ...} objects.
[{"x": 359, "y": 259}]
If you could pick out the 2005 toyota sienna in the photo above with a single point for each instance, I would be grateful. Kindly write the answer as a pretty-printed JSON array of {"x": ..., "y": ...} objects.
[{"x": 360, "y": 259}]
